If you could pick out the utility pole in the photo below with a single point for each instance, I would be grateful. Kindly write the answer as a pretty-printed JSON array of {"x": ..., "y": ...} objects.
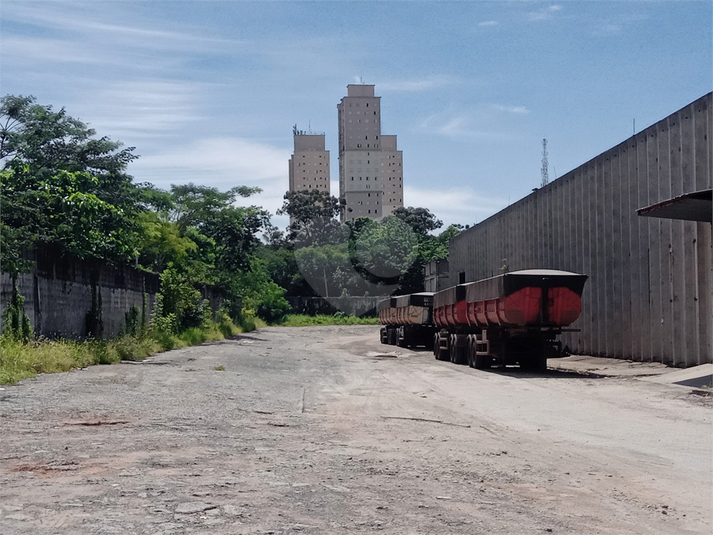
[{"x": 545, "y": 165}]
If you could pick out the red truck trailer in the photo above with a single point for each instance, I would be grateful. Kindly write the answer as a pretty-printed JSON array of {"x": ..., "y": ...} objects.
[
  {"x": 407, "y": 320},
  {"x": 513, "y": 318}
]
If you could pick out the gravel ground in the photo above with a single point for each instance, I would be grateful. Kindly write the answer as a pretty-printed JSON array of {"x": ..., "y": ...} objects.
[{"x": 324, "y": 430}]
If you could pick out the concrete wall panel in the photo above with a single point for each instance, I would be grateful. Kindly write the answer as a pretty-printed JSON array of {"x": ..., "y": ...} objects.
[{"x": 649, "y": 291}]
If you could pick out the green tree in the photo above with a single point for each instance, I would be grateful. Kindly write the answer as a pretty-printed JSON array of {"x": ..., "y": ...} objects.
[
  {"x": 193, "y": 205},
  {"x": 436, "y": 247},
  {"x": 260, "y": 295},
  {"x": 47, "y": 142},
  {"x": 328, "y": 270},
  {"x": 313, "y": 217},
  {"x": 383, "y": 250},
  {"x": 421, "y": 220},
  {"x": 62, "y": 185},
  {"x": 161, "y": 243}
]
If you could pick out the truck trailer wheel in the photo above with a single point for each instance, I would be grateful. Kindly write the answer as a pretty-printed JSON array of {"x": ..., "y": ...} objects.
[
  {"x": 471, "y": 351},
  {"x": 534, "y": 358},
  {"x": 440, "y": 347},
  {"x": 483, "y": 362}
]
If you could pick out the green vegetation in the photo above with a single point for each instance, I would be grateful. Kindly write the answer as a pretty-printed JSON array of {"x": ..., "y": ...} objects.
[
  {"x": 301, "y": 320},
  {"x": 67, "y": 191},
  {"x": 321, "y": 257},
  {"x": 21, "y": 359}
]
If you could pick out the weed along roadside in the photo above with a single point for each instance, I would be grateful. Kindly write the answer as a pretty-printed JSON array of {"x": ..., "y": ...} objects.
[{"x": 23, "y": 358}]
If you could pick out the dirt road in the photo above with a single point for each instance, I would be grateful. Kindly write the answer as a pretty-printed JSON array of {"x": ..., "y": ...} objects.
[{"x": 324, "y": 430}]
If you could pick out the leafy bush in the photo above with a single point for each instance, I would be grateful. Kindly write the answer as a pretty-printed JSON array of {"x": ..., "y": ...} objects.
[
  {"x": 225, "y": 324},
  {"x": 15, "y": 322},
  {"x": 273, "y": 305},
  {"x": 178, "y": 297},
  {"x": 134, "y": 348},
  {"x": 132, "y": 321}
]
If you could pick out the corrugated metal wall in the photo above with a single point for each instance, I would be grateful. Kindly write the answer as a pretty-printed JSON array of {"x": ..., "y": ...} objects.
[{"x": 649, "y": 293}]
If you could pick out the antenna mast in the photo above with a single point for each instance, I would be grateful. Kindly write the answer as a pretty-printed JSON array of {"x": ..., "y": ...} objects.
[{"x": 545, "y": 165}]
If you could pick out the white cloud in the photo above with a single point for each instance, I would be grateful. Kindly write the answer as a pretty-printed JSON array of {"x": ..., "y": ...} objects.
[
  {"x": 144, "y": 108},
  {"x": 427, "y": 83},
  {"x": 617, "y": 25},
  {"x": 545, "y": 13},
  {"x": 510, "y": 109},
  {"x": 218, "y": 162},
  {"x": 487, "y": 23},
  {"x": 461, "y": 205},
  {"x": 78, "y": 19},
  {"x": 458, "y": 126}
]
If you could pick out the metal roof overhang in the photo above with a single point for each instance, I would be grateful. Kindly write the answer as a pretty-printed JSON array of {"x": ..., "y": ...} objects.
[{"x": 696, "y": 206}]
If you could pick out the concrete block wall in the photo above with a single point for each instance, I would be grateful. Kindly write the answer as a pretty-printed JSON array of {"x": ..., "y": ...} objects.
[
  {"x": 649, "y": 295},
  {"x": 58, "y": 294}
]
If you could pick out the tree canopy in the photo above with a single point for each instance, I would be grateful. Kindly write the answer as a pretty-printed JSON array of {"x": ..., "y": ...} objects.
[
  {"x": 313, "y": 217},
  {"x": 62, "y": 185}
]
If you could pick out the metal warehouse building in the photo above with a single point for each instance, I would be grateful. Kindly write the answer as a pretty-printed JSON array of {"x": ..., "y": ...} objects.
[{"x": 637, "y": 220}]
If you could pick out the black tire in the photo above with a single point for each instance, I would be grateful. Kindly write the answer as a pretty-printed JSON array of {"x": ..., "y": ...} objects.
[
  {"x": 483, "y": 362},
  {"x": 470, "y": 351},
  {"x": 442, "y": 352},
  {"x": 461, "y": 354},
  {"x": 535, "y": 359}
]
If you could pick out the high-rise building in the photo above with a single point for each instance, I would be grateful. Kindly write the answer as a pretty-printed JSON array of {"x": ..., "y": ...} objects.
[
  {"x": 370, "y": 165},
  {"x": 309, "y": 164}
]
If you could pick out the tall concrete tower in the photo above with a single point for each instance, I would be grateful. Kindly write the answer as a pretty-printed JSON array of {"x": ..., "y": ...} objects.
[
  {"x": 370, "y": 165},
  {"x": 309, "y": 164}
]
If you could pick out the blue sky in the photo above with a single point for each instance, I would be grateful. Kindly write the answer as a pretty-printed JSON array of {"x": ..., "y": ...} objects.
[{"x": 208, "y": 91}]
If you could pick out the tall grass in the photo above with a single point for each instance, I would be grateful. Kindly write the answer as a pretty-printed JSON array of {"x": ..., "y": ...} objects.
[
  {"x": 20, "y": 360},
  {"x": 302, "y": 320}
]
